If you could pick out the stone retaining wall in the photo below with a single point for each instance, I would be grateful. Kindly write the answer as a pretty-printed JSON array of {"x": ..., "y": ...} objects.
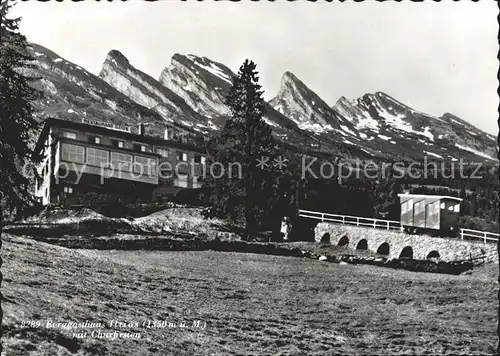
[{"x": 449, "y": 249}]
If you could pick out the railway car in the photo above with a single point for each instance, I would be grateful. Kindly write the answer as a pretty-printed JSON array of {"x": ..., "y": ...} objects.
[{"x": 435, "y": 214}]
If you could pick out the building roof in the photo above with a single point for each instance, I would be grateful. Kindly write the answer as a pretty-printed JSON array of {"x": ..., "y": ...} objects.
[
  {"x": 49, "y": 122},
  {"x": 428, "y": 196}
]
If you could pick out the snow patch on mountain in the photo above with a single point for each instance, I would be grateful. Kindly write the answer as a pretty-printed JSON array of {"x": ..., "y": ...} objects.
[
  {"x": 269, "y": 122},
  {"x": 476, "y": 152},
  {"x": 433, "y": 154},
  {"x": 210, "y": 67}
]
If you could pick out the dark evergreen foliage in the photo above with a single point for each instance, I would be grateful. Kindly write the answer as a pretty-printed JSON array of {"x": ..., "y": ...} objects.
[
  {"x": 17, "y": 123},
  {"x": 241, "y": 189}
]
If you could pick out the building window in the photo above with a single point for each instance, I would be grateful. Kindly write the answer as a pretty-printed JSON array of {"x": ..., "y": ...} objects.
[
  {"x": 143, "y": 165},
  {"x": 457, "y": 208},
  {"x": 139, "y": 147},
  {"x": 199, "y": 159},
  {"x": 162, "y": 152},
  {"x": 118, "y": 143},
  {"x": 68, "y": 190},
  {"x": 181, "y": 180},
  {"x": 182, "y": 156},
  {"x": 69, "y": 134},
  {"x": 121, "y": 161},
  {"x": 442, "y": 206},
  {"x": 419, "y": 207},
  {"x": 96, "y": 157},
  {"x": 95, "y": 139},
  {"x": 72, "y": 153}
]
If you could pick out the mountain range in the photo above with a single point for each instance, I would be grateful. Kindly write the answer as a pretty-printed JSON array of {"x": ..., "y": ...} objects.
[{"x": 189, "y": 97}]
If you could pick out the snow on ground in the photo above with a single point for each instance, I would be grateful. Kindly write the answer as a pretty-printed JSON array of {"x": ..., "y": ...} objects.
[
  {"x": 367, "y": 122},
  {"x": 212, "y": 68},
  {"x": 427, "y": 132},
  {"x": 364, "y": 150},
  {"x": 177, "y": 219},
  {"x": 411, "y": 110},
  {"x": 476, "y": 152},
  {"x": 269, "y": 122},
  {"x": 397, "y": 122},
  {"x": 212, "y": 125},
  {"x": 346, "y": 129},
  {"x": 457, "y": 122},
  {"x": 67, "y": 216},
  {"x": 433, "y": 154},
  {"x": 314, "y": 127}
]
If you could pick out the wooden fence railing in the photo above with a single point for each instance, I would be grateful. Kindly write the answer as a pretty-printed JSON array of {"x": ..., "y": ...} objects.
[
  {"x": 352, "y": 220},
  {"x": 482, "y": 235}
]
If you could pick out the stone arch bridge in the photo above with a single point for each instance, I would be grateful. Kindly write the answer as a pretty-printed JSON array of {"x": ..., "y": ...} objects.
[{"x": 399, "y": 244}]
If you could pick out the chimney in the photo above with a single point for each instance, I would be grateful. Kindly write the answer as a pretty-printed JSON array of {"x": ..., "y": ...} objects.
[
  {"x": 166, "y": 134},
  {"x": 141, "y": 129}
]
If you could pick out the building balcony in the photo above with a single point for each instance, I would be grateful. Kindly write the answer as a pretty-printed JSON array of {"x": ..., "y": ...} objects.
[{"x": 86, "y": 158}]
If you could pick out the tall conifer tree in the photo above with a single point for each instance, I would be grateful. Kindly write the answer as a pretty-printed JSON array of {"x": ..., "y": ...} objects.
[
  {"x": 244, "y": 142},
  {"x": 17, "y": 124}
]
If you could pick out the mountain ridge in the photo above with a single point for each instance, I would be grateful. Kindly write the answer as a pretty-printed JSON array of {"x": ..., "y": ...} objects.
[{"x": 190, "y": 95}]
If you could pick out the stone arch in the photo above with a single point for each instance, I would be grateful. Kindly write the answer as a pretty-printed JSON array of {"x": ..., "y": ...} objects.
[
  {"x": 384, "y": 249},
  {"x": 407, "y": 252},
  {"x": 433, "y": 254},
  {"x": 325, "y": 239},
  {"x": 362, "y": 245},
  {"x": 344, "y": 241}
]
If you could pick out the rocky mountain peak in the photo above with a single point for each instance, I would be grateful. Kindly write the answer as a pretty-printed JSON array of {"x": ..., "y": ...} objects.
[
  {"x": 117, "y": 56},
  {"x": 200, "y": 81},
  {"x": 147, "y": 91},
  {"x": 300, "y": 103},
  {"x": 190, "y": 95}
]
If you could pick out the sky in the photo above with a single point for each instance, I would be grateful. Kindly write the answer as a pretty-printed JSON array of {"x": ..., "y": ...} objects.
[{"x": 434, "y": 57}]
